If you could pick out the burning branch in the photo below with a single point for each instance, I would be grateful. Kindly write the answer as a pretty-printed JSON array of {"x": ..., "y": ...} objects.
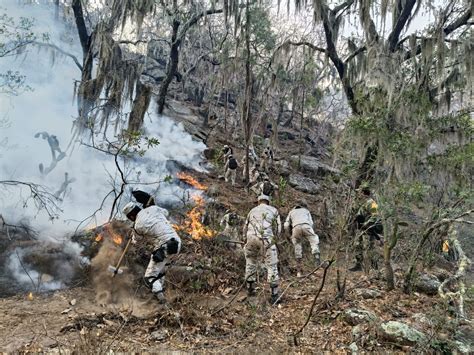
[
  {"x": 188, "y": 179},
  {"x": 193, "y": 225}
]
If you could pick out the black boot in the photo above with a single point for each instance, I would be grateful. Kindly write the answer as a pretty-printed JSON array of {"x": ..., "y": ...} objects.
[
  {"x": 275, "y": 297},
  {"x": 250, "y": 288},
  {"x": 317, "y": 258},
  {"x": 299, "y": 267},
  {"x": 356, "y": 267}
]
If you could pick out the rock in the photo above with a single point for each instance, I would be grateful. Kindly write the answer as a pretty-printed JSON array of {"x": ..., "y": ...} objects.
[
  {"x": 400, "y": 333},
  {"x": 286, "y": 135},
  {"x": 354, "y": 348},
  {"x": 462, "y": 348},
  {"x": 427, "y": 284},
  {"x": 355, "y": 316},
  {"x": 312, "y": 165},
  {"x": 283, "y": 167},
  {"x": 73, "y": 302},
  {"x": 303, "y": 184},
  {"x": 159, "y": 335},
  {"x": 213, "y": 191},
  {"x": 421, "y": 318},
  {"x": 367, "y": 293}
]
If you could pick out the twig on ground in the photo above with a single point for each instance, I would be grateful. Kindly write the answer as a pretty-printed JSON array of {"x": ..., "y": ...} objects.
[
  {"x": 295, "y": 281},
  {"x": 326, "y": 268}
]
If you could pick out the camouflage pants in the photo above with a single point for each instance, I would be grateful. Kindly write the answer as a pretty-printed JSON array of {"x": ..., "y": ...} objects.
[
  {"x": 304, "y": 231},
  {"x": 255, "y": 249},
  {"x": 365, "y": 252}
]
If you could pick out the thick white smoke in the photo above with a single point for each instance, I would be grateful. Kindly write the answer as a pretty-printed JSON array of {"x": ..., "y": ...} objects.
[{"x": 51, "y": 108}]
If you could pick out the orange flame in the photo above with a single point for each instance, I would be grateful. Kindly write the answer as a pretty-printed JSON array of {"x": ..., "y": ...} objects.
[
  {"x": 193, "y": 225},
  {"x": 188, "y": 179},
  {"x": 116, "y": 238},
  {"x": 30, "y": 296}
]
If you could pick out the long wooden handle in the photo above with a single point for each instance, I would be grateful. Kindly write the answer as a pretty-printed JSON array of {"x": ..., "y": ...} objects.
[{"x": 122, "y": 256}]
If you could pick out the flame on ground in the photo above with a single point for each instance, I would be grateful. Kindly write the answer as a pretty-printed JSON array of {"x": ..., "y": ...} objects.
[
  {"x": 116, "y": 238},
  {"x": 188, "y": 179},
  {"x": 193, "y": 225},
  {"x": 30, "y": 296}
]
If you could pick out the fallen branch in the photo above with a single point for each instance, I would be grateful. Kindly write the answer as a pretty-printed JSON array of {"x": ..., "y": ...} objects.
[
  {"x": 301, "y": 278},
  {"x": 232, "y": 299},
  {"x": 326, "y": 268}
]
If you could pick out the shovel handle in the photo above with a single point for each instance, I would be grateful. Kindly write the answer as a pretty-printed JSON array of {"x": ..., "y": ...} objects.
[{"x": 121, "y": 257}]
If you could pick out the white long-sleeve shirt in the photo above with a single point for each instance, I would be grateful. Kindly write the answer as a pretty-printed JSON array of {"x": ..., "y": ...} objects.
[
  {"x": 261, "y": 220},
  {"x": 151, "y": 222},
  {"x": 298, "y": 216}
]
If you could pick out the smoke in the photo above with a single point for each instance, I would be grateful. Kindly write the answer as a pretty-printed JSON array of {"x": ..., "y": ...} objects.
[{"x": 50, "y": 107}]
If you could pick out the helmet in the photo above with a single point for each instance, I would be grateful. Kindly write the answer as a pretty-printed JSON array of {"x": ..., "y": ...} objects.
[
  {"x": 129, "y": 207},
  {"x": 264, "y": 198}
]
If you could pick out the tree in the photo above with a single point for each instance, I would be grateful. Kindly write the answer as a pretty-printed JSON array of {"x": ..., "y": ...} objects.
[{"x": 398, "y": 83}]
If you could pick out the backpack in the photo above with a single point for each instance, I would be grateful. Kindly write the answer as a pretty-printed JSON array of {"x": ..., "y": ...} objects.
[
  {"x": 267, "y": 188},
  {"x": 233, "y": 219},
  {"x": 232, "y": 163}
]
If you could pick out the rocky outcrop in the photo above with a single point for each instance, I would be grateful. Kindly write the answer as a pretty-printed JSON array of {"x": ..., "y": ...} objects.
[
  {"x": 283, "y": 167},
  {"x": 312, "y": 165},
  {"x": 191, "y": 121},
  {"x": 366, "y": 293},
  {"x": 400, "y": 333},
  {"x": 427, "y": 284},
  {"x": 355, "y": 316},
  {"x": 303, "y": 184}
]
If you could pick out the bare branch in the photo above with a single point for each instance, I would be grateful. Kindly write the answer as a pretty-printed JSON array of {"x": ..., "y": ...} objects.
[{"x": 62, "y": 51}]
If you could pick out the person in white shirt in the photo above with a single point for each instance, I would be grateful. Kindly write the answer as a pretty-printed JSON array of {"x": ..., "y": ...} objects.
[
  {"x": 151, "y": 223},
  {"x": 262, "y": 225},
  {"x": 300, "y": 223}
]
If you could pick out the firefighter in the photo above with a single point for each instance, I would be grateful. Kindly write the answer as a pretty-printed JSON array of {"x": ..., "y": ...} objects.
[
  {"x": 368, "y": 229},
  {"x": 265, "y": 186},
  {"x": 262, "y": 225},
  {"x": 266, "y": 159},
  {"x": 231, "y": 169},
  {"x": 226, "y": 152},
  {"x": 144, "y": 198},
  {"x": 300, "y": 224},
  {"x": 230, "y": 222},
  {"x": 151, "y": 223}
]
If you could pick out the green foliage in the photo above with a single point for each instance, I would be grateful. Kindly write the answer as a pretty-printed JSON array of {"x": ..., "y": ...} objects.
[
  {"x": 282, "y": 186},
  {"x": 137, "y": 144},
  {"x": 262, "y": 36},
  {"x": 14, "y": 37}
]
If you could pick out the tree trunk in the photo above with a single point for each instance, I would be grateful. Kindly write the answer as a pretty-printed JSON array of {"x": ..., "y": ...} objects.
[
  {"x": 387, "y": 256},
  {"x": 56, "y": 9},
  {"x": 140, "y": 106},
  {"x": 246, "y": 117},
  {"x": 171, "y": 67}
]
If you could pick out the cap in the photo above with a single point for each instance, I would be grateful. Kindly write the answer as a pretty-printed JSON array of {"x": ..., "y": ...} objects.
[
  {"x": 264, "y": 197},
  {"x": 129, "y": 207}
]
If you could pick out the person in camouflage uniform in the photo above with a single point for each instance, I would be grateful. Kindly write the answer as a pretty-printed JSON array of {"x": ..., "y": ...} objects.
[{"x": 368, "y": 229}]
